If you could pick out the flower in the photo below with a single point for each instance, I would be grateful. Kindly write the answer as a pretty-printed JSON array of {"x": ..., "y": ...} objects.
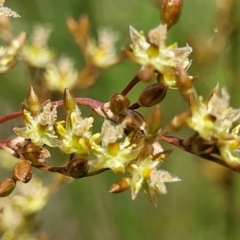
[
  {"x": 10, "y": 55},
  {"x": 215, "y": 120},
  {"x": 103, "y": 54},
  {"x": 36, "y": 53},
  {"x": 152, "y": 51},
  {"x": 7, "y": 12},
  {"x": 145, "y": 174},
  {"x": 39, "y": 127},
  {"x": 62, "y": 75},
  {"x": 18, "y": 210},
  {"x": 114, "y": 154},
  {"x": 76, "y": 133}
]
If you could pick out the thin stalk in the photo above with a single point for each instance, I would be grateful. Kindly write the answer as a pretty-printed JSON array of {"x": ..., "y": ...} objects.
[
  {"x": 88, "y": 102},
  {"x": 130, "y": 86}
]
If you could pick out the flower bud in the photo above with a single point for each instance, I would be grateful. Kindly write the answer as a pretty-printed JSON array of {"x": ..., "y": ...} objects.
[
  {"x": 6, "y": 187},
  {"x": 22, "y": 171},
  {"x": 153, "y": 122},
  {"x": 77, "y": 167},
  {"x": 120, "y": 185},
  {"x": 33, "y": 102},
  {"x": 184, "y": 83},
  {"x": 118, "y": 103},
  {"x": 170, "y": 11},
  {"x": 152, "y": 95},
  {"x": 36, "y": 155},
  {"x": 69, "y": 101}
]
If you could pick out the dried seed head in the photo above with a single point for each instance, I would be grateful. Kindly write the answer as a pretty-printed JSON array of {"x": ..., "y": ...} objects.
[
  {"x": 170, "y": 11},
  {"x": 6, "y": 187},
  {"x": 22, "y": 171},
  {"x": 118, "y": 103},
  {"x": 77, "y": 167},
  {"x": 120, "y": 185},
  {"x": 36, "y": 155},
  {"x": 152, "y": 95},
  {"x": 33, "y": 102}
]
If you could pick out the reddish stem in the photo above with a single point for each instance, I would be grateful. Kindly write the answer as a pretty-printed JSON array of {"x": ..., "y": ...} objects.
[
  {"x": 88, "y": 102},
  {"x": 129, "y": 87},
  {"x": 172, "y": 140},
  {"x": 10, "y": 116}
]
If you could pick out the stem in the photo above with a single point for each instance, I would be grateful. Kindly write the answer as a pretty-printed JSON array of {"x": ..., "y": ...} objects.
[
  {"x": 62, "y": 170},
  {"x": 10, "y": 116},
  {"x": 228, "y": 192},
  {"x": 134, "y": 106},
  {"x": 93, "y": 173},
  {"x": 180, "y": 143},
  {"x": 88, "y": 102},
  {"x": 171, "y": 140},
  {"x": 130, "y": 86},
  {"x": 96, "y": 106}
]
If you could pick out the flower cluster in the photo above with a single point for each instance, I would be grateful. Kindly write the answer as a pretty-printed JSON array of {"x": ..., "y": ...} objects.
[
  {"x": 152, "y": 51},
  {"x": 128, "y": 144},
  {"x": 215, "y": 120}
]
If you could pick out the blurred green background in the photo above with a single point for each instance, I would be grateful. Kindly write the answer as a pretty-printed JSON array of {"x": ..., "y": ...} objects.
[{"x": 204, "y": 205}]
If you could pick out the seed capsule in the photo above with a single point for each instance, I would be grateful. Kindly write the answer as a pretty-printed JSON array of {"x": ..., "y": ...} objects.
[
  {"x": 118, "y": 103},
  {"x": 170, "y": 11},
  {"x": 152, "y": 95},
  {"x": 77, "y": 168},
  {"x": 133, "y": 120},
  {"x": 6, "y": 187},
  {"x": 22, "y": 171},
  {"x": 120, "y": 185},
  {"x": 36, "y": 155}
]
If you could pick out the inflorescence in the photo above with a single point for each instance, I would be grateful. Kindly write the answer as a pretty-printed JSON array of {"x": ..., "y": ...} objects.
[{"x": 128, "y": 144}]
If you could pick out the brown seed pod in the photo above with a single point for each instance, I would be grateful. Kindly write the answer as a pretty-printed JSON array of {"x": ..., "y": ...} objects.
[
  {"x": 152, "y": 95},
  {"x": 77, "y": 167},
  {"x": 6, "y": 187},
  {"x": 22, "y": 171},
  {"x": 35, "y": 154},
  {"x": 170, "y": 11},
  {"x": 118, "y": 103},
  {"x": 133, "y": 120},
  {"x": 121, "y": 185}
]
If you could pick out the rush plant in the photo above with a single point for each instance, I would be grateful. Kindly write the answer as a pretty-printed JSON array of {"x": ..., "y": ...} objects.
[{"x": 128, "y": 143}]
